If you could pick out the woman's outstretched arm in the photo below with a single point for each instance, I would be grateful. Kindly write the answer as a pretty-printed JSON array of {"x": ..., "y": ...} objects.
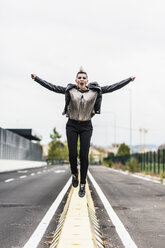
[
  {"x": 49, "y": 86},
  {"x": 117, "y": 86}
]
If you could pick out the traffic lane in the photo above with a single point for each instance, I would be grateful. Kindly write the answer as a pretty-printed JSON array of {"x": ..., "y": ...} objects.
[
  {"x": 7, "y": 190},
  {"x": 109, "y": 234},
  {"x": 51, "y": 229},
  {"x": 14, "y": 174},
  {"x": 24, "y": 202},
  {"x": 138, "y": 204}
]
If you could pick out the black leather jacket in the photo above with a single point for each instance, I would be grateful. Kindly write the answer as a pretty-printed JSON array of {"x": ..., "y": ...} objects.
[{"x": 93, "y": 86}]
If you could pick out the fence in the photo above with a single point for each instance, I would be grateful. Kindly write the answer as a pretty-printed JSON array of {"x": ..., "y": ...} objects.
[
  {"x": 152, "y": 162},
  {"x": 13, "y": 146}
]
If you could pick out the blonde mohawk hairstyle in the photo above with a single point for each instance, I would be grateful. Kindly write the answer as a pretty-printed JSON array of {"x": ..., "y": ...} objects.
[{"x": 81, "y": 70}]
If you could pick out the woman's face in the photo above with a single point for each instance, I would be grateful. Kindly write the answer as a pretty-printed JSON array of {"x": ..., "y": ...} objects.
[{"x": 82, "y": 80}]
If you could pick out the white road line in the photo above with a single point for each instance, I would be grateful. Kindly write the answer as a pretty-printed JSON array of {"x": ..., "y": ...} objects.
[
  {"x": 22, "y": 171},
  {"x": 9, "y": 180},
  {"x": 138, "y": 176},
  {"x": 147, "y": 179},
  {"x": 39, "y": 172},
  {"x": 120, "y": 171},
  {"x": 32, "y": 174},
  {"x": 122, "y": 232},
  {"x": 59, "y": 171},
  {"x": 40, "y": 230},
  {"x": 23, "y": 176}
]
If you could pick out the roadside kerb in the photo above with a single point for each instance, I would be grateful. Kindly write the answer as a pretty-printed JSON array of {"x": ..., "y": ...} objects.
[{"x": 80, "y": 227}]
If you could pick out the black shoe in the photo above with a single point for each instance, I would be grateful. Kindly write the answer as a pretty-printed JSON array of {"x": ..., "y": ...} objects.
[
  {"x": 75, "y": 180},
  {"x": 82, "y": 190}
]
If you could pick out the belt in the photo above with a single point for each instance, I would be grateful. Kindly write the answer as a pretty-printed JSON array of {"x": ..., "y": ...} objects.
[{"x": 79, "y": 122}]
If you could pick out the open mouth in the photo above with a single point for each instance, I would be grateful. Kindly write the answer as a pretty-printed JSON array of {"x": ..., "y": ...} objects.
[{"x": 81, "y": 84}]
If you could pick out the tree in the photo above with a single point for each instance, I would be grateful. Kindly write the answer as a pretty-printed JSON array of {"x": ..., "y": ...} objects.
[
  {"x": 57, "y": 150},
  {"x": 123, "y": 150},
  {"x": 109, "y": 159},
  {"x": 110, "y": 155},
  {"x": 101, "y": 150},
  {"x": 55, "y": 136},
  {"x": 91, "y": 158}
]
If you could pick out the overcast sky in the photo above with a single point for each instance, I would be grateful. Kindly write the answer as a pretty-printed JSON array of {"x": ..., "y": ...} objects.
[{"x": 111, "y": 39}]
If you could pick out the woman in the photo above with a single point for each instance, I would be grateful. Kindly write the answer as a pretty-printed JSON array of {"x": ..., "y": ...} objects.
[{"x": 82, "y": 102}]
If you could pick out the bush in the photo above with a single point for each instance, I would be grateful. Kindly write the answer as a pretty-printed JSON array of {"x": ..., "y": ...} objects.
[
  {"x": 119, "y": 166},
  {"x": 107, "y": 163},
  {"x": 162, "y": 177},
  {"x": 132, "y": 165}
]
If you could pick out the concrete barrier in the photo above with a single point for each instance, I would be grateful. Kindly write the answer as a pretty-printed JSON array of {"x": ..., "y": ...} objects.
[{"x": 12, "y": 165}]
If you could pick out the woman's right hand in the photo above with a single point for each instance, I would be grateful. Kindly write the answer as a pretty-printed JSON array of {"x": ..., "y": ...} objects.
[{"x": 33, "y": 76}]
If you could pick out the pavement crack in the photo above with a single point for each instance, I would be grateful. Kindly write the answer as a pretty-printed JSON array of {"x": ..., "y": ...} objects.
[
  {"x": 120, "y": 208},
  {"x": 16, "y": 205}
]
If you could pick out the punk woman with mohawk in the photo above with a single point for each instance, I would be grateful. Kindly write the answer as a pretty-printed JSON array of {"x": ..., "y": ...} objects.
[{"x": 82, "y": 102}]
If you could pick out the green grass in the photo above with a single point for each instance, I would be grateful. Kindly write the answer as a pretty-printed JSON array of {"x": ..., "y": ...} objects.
[{"x": 150, "y": 168}]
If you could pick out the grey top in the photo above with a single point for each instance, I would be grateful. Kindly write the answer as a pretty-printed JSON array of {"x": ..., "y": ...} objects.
[{"x": 81, "y": 106}]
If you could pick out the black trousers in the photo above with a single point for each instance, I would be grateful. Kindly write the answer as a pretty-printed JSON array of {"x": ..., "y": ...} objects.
[{"x": 83, "y": 129}]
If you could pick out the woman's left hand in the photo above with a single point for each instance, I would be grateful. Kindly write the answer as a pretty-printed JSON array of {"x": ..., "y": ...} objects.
[{"x": 133, "y": 78}]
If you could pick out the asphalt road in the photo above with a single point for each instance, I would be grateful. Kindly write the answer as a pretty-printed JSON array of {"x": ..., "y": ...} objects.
[
  {"x": 25, "y": 197},
  {"x": 139, "y": 204}
]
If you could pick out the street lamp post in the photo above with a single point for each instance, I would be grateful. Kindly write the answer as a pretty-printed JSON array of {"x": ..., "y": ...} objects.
[
  {"x": 130, "y": 118},
  {"x": 140, "y": 146},
  {"x": 114, "y": 115},
  {"x": 143, "y": 132}
]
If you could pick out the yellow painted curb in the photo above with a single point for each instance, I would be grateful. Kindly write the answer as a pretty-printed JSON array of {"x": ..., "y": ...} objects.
[
  {"x": 78, "y": 225},
  {"x": 95, "y": 228},
  {"x": 76, "y": 231},
  {"x": 58, "y": 231}
]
